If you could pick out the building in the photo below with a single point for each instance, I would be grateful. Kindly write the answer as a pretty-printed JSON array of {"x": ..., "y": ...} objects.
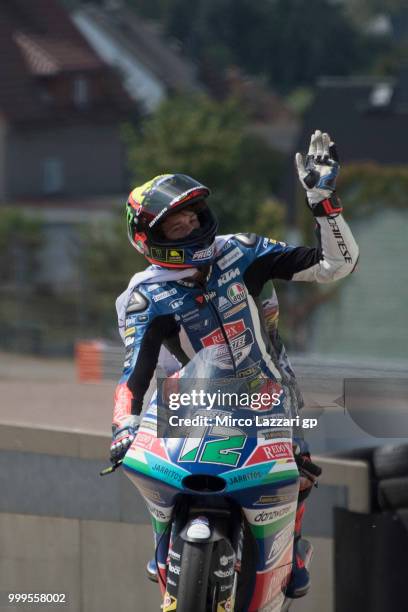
[
  {"x": 150, "y": 66},
  {"x": 60, "y": 108},
  {"x": 368, "y": 117}
]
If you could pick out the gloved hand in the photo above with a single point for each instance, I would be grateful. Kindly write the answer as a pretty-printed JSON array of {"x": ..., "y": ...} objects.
[
  {"x": 122, "y": 437},
  {"x": 318, "y": 175}
]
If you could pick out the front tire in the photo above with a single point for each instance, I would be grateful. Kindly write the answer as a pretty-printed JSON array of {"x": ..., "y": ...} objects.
[{"x": 194, "y": 575}]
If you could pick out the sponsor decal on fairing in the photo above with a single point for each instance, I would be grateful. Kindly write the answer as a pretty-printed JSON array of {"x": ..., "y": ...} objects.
[
  {"x": 270, "y": 452},
  {"x": 169, "y": 603},
  {"x": 236, "y": 293},
  {"x": 204, "y": 254},
  {"x": 177, "y": 302},
  {"x": 174, "y": 555},
  {"x": 174, "y": 569},
  {"x": 223, "y": 304},
  {"x": 230, "y": 258},
  {"x": 270, "y": 515},
  {"x": 160, "y": 513},
  {"x": 188, "y": 316},
  {"x": 224, "y": 573},
  {"x": 199, "y": 325},
  {"x": 142, "y": 318},
  {"x": 280, "y": 542},
  {"x": 164, "y": 294},
  {"x": 272, "y": 500},
  {"x": 240, "y": 338},
  {"x": 130, "y": 321},
  {"x": 235, "y": 310},
  {"x": 224, "y": 559},
  {"x": 153, "y": 286},
  {"x": 227, "y": 276}
]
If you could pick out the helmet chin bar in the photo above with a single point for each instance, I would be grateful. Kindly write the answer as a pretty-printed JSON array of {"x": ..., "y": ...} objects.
[{"x": 196, "y": 249}]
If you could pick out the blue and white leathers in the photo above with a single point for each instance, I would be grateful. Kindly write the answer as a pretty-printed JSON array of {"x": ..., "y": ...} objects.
[{"x": 165, "y": 307}]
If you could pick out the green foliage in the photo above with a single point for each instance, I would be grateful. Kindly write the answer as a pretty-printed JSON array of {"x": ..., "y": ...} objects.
[
  {"x": 270, "y": 220},
  {"x": 361, "y": 10},
  {"x": 209, "y": 141},
  {"x": 195, "y": 136},
  {"x": 365, "y": 188},
  {"x": 20, "y": 241},
  {"x": 290, "y": 42},
  {"x": 300, "y": 100},
  {"x": 368, "y": 186},
  {"x": 107, "y": 261}
]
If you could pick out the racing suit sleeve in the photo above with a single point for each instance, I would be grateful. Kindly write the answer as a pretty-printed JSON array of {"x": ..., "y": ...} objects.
[
  {"x": 144, "y": 335},
  {"x": 335, "y": 257}
]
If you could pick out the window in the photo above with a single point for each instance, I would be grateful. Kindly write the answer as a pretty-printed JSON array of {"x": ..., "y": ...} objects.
[
  {"x": 81, "y": 92},
  {"x": 53, "y": 175},
  {"x": 381, "y": 95}
]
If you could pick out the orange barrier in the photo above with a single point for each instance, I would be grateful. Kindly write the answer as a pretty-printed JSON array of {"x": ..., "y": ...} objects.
[{"x": 88, "y": 360}]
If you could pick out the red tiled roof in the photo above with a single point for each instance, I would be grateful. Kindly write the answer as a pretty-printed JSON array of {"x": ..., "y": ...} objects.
[{"x": 46, "y": 55}]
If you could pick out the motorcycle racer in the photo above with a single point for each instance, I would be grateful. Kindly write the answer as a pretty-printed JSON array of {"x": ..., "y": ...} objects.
[{"x": 203, "y": 290}]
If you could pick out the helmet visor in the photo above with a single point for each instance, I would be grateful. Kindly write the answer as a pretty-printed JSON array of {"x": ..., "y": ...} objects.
[
  {"x": 168, "y": 191},
  {"x": 207, "y": 226}
]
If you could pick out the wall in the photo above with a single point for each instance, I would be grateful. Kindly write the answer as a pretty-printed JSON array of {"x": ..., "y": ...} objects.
[
  {"x": 369, "y": 314},
  {"x": 65, "y": 529},
  {"x": 91, "y": 154}
]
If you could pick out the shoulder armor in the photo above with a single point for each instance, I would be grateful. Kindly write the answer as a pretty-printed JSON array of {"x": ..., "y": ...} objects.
[
  {"x": 137, "y": 303},
  {"x": 247, "y": 240}
]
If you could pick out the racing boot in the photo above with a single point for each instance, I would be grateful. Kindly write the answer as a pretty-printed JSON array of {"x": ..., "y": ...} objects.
[
  {"x": 299, "y": 582},
  {"x": 151, "y": 569}
]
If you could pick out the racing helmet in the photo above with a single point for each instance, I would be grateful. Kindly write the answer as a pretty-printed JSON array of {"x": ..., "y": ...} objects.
[{"x": 152, "y": 202}]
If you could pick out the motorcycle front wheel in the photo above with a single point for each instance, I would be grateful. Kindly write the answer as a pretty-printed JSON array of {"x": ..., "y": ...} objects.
[{"x": 193, "y": 593}]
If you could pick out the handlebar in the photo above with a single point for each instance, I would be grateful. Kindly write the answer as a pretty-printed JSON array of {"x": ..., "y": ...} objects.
[
  {"x": 111, "y": 468},
  {"x": 307, "y": 466}
]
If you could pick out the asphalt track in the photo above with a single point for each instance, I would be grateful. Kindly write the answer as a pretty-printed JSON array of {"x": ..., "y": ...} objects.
[{"x": 45, "y": 393}]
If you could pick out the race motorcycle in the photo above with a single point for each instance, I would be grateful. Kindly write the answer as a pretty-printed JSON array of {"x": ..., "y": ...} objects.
[{"x": 222, "y": 497}]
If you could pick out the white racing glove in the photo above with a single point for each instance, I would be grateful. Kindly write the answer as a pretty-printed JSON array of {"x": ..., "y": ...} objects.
[
  {"x": 318, "y": 175},
  {"x": 123, "y": 437}
]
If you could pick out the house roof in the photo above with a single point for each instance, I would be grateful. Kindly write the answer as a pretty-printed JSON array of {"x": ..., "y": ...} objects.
[
  {"x": 37, "y": 39},
  {"x": 46, "y": 55},
  {"x": 146, "y": 42},
  {"x": 367, "y": 117}
]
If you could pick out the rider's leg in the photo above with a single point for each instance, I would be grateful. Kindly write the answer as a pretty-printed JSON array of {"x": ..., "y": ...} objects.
[
  {"x": 299, "y": 582},
  {"x": 151, "y": 569}
]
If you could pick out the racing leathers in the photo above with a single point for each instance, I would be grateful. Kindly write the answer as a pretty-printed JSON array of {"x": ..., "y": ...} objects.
[{"x": 168, "y": 308}]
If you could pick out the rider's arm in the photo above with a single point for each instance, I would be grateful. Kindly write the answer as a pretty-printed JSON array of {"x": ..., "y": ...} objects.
[
  {"x": 337, "y": 252},
  {"x": 145, "y": 331},
  {"x": 333, "y": 258}
]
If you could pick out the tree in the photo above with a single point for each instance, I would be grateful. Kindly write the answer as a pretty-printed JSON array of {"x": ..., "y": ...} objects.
[
  {"x": 20, "y": 241},
  {"x": 369, "y": 187},
  {"x": 202, "y": 138},
  {"x": 209, "y": 141},
  {"x": 289, "y": 42},
  {"x": 107, "y": 261}
]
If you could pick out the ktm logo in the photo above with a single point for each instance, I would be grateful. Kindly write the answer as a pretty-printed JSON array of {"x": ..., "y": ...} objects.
[{"x": 227, "y": 276}]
